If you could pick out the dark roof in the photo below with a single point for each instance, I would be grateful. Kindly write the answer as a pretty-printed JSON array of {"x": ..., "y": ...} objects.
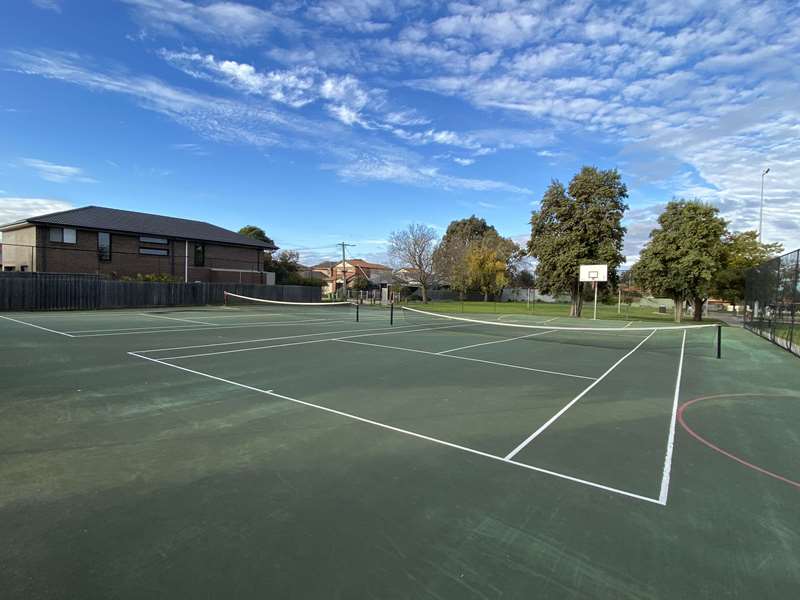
[{"x": 98, "y": 217}]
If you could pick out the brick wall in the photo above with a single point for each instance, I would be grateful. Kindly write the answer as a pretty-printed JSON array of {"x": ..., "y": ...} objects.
[{"x": 221, "y": 262}]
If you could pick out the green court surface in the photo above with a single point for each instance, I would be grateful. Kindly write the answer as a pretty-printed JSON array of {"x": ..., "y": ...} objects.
[{"x": 240, "y": 453}]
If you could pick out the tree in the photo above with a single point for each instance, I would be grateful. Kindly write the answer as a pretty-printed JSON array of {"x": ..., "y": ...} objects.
[
  {"x": 487, "y": 269},
  {"x": 450, "y": 257},
  {"x": 578, "y": 225},
  {"x": 742, "y": 251},
  {"x": 360, "y": 282},
  {"x": 286, "y": 266},
  {"x": 684, "y": 256},
  {"x": 252, "y": 231},
  {"x": 414, "y": 247}
]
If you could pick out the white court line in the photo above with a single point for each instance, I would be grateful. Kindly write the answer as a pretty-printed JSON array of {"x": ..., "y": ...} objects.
[
  {"x": 566, "y": 407},
  {"x": 548, "y": 320},
  {"x": 209, "y": 328},
  {"x": 37, "y": 326},
  {"x": 404, "y": 431},
  {"x": 336, "y": 339},
  {"x": 176, "y": 319},
  {"x": 283, "y": 337},
  {"x": 662, "y": 496},
  {"x": 628, "y": 324},
  {"x": 478, "y": 360},
  {"x": 521, "y": 337}
]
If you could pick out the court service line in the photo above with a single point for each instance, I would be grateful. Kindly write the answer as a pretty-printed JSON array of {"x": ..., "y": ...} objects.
[
  {"x": 521, "y": 337},
  {"x": 149, "y": 330},
  {"x": 37, "y": 326},
  {"x": 271, "y": 339},
  {"x": 664, "y": 493},
  {"x": 336, "y": 339},
  {"x": 567, "y": 406},
  {"x": 176, "y": 319},
  {"x": 404, "y": 431},
  {"x": 478, "y": 360}
]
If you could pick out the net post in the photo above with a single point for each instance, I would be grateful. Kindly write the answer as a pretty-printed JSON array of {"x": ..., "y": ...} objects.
[
  {"x": 224, "y": 298},
  {"x": 391, "y": 313},
  {"x": 719, "y": 341},
  {"x": 356, "y": 312}
]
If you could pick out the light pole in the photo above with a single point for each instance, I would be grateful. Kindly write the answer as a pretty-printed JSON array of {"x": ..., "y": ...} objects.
[{"x": 761, "y": 212}]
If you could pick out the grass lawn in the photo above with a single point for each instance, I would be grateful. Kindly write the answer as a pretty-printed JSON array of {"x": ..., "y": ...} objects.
[{"x": 604, "y": 311}]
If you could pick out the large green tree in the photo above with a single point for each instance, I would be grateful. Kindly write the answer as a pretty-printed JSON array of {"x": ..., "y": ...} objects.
[
  {"x": 581, "y": 224},
  {"x": 491, "y": 263},
  {"x": 454, "y": 261},
  {"x": 450, "y": 258},
  {"x": 684, "y": 255},
  {"x": 742, "y": 251}
]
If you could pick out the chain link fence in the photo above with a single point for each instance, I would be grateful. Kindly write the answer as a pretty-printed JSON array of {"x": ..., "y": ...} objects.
[{"x": 772, "y": 299}]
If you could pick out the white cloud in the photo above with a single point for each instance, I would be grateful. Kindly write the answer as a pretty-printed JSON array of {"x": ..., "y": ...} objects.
[
  {"x": 372, "y": 169},
  {"x": 56, "y": 173},
  {"x": 15, "y": 208},
  {"x": 295, "y": 87},
  {"x": 464, "y": 162},
  {"x": 225, "y": 20},
  {"x": 53, "y": 5}
]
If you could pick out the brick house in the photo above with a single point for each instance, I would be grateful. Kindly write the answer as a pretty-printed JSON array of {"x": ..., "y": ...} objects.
[
  {"x": 122, "y": 243},
  {"x": 333, "y": 273}
]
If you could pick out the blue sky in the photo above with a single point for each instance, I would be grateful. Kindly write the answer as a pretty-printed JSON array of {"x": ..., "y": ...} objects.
[{"x": 331, "y": 121}]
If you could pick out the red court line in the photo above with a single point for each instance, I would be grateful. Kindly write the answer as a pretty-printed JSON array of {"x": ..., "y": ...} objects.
[{"x": 702, "y": 440}]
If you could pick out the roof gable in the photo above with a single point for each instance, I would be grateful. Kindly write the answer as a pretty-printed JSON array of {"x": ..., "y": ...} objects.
[{"x": 113, "y": 219}]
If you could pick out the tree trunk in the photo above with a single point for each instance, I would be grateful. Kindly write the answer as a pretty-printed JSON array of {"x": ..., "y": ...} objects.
[
  {"x": 678, "y": 309},
  {"x": 424, "y": 294},
  {"x": 577, "y": 300},
  {"x": 698, "y": 308},
  {"x": 485, "y": 296}
]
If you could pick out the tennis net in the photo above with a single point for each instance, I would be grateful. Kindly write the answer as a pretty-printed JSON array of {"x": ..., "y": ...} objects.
[
  {"x": 704, "y": 339},
  {"x": 300, "y": 310}
]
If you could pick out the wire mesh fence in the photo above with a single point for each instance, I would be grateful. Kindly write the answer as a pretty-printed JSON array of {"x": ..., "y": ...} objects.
[{"x": 772, "y": 299}]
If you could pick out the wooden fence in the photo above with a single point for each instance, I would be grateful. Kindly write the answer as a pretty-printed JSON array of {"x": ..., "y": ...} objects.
[{"x": 55, "y": 291}]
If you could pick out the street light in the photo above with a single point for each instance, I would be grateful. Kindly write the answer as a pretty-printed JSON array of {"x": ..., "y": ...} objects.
[{"x": 761, "y": 212}]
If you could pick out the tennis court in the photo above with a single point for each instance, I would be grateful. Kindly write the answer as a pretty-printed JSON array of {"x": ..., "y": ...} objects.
[{"x": 320, "y": 451}]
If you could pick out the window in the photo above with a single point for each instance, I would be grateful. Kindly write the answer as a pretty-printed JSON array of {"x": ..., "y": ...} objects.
[
  {"x": 23, "y": 267},
  {"x": 63, "y": 235},
  {"x": 8, "y": 268},
  {"x": 199, "y": 255},
  {"x": 154, "y": 251},
  {"x": 153, "y": 240},
  {"x": 104, "y": 245}
]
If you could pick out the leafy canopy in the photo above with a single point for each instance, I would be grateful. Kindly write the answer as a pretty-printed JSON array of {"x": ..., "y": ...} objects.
[
  {"x": 252, "y": 231},
  {"x": 685, "y": 254},
  {"x": 741, "y": 251},
  {"x": 578, "y": 225}
]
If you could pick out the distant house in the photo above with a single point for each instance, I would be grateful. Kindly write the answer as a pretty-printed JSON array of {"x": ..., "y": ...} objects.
[
  {"x": 122, "y": 243},
  {"x": 349, "y": 272}
]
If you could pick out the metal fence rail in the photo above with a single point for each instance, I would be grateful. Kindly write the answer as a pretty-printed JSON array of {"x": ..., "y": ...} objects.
[
  {"x": 772, "y": 300},
  {"x": 55, "y": 291}
]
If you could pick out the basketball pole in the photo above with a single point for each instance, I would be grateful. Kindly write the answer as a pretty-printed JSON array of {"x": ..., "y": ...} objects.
[{"x": 594, "y": 318}]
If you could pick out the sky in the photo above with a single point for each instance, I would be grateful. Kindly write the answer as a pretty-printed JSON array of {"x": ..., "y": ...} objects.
[{"x": 325, "y": 121}]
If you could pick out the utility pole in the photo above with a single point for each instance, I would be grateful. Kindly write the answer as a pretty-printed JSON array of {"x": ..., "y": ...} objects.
[
  {"x": 344, "y": 269},
  {"x": 761, "y": 212}
]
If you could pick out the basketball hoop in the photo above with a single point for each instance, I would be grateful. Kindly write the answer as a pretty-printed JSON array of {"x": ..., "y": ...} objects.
[{"x": 594, "y": 273}]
